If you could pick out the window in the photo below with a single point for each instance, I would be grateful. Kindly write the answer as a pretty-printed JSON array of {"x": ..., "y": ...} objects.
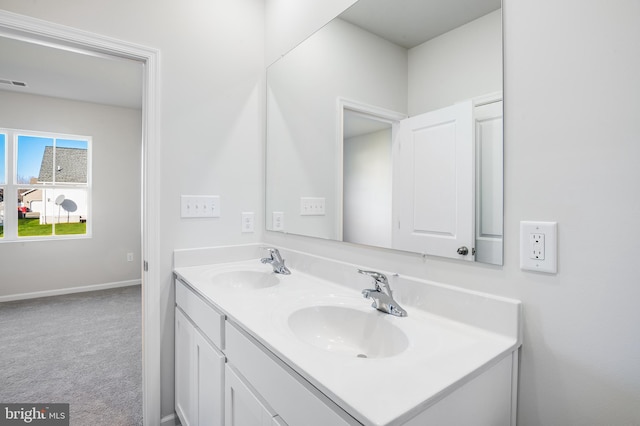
[{"x": 46, "y": 190}]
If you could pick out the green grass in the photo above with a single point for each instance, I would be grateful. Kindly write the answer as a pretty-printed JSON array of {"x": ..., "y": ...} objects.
[
  {"x": 71, "y": 228},
  {"x": 32, "y": 228}
]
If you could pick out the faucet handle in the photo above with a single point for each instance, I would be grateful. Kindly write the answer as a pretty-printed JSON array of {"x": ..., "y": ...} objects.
[
  {"x": 375, "y": 275},
  {"x": 273, "y": 252},
  {"x": 378, "y": 277}
]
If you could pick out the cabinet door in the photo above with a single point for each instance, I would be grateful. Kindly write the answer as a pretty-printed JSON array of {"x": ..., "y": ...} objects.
[
  {"x": 184, "y": 335},
  {"x": 242, "y": 406},
  {"x": 209, "y": 378}
]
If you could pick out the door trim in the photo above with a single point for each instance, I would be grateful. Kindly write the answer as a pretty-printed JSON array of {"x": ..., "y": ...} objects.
[{"x": 34, "y": 30}]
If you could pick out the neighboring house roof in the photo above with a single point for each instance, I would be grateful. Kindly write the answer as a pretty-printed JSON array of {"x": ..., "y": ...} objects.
[
  {"x": 29, "y": 191},
  {"x": 70, "y": 164}
]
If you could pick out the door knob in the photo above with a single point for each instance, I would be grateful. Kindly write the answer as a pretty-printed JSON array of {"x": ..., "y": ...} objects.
[{"x": 463, "y": 251}]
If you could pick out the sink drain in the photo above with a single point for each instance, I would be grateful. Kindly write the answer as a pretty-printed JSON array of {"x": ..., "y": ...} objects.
[{"x": 361, "y": 356}]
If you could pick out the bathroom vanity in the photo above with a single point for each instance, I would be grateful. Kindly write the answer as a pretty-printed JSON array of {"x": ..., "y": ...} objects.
[{"x": 258, "y": 348}]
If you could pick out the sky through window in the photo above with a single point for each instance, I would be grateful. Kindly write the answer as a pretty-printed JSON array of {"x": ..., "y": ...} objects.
[{"x": 31, "y": 150}]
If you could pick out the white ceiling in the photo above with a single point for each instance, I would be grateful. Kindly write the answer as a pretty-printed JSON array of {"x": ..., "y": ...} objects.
[
  {"x": 409, "y": 23},
  {"x": 66, "y": 74}
]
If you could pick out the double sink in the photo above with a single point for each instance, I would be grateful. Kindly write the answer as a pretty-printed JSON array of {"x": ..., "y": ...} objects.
[
  {"x": 330, "y": 335},
  {"x": 336, "y": 328}
]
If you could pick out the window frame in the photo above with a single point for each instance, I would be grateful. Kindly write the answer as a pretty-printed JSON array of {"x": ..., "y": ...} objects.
[
  {"x": 11, "y": 185},
  {"x": 4, "y": 180}
]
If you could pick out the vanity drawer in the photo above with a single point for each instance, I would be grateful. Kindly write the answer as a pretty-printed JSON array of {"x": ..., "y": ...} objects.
[
  {"x": 206, "y": 318},
  {"x": 290, "y": 395}
]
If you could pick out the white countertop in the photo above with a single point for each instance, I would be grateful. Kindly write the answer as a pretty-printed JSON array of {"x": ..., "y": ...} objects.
[{"x": 441, "y": 355}]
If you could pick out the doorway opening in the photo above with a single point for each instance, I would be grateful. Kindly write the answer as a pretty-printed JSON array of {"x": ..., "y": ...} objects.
[
  {"x": 364, "y": 186},
  {"x": 42, "y": 33}
]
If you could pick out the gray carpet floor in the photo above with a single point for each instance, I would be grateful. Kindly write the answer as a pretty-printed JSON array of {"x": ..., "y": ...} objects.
[{"x": 84, "y": 349}]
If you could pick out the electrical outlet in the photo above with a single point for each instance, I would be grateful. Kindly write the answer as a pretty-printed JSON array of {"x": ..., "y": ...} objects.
[
  {"x": 247, "y": 221},
  {"x": 538, "y": 246},
  {"x": 277, "y": 221}
]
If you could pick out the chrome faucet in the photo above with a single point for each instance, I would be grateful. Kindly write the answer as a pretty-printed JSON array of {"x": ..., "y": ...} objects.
[
  {"x": 276, "y": 261},
  {"x": 381, "y": 295}
]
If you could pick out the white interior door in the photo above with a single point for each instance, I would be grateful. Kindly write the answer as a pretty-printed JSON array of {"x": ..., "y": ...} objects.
[
  {"x": 489, "y": 178},
  {"x": 433, "y": 183}
]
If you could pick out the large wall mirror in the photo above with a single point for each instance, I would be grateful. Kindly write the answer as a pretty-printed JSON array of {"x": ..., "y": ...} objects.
[{"x": 384, "y": 128}]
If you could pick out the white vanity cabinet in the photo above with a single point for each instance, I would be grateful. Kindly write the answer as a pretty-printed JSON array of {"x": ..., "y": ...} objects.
[
  {"x": 199, "y": 362},
  {"x": 237, "y": 363}
]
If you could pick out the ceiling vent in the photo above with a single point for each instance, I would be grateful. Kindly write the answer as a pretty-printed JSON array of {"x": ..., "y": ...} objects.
[{"x": 13, "y": 82}]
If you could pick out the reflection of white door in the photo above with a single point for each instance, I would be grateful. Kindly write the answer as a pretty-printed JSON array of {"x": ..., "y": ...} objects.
[
  {"x": 488, "y": 147},
  {"x": 433, "y": 183}
]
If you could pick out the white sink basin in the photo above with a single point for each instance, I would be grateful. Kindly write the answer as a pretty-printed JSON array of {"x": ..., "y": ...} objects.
[
  {"x": 349, "y": 332},
  {"x": 246, "y": 280}
]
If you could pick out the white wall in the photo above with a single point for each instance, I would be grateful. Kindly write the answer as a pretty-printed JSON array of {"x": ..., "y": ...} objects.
[
  {"x": 211, "y": 125},
  {"x": 367, "y": 189},
  {"x": 572, "y": 98},
  {"x": 461, "y": 64},
  {"x": 288, "y": 22},
  {"x": 102, "y": 259}
]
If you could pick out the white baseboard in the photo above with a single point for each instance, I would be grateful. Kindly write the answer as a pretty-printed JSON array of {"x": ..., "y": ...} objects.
[
  {"x": 170, "y": 420},
  {"x": 69, "y": 290}
]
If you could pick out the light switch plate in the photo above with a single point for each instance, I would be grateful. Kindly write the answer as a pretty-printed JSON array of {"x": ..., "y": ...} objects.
[
  {"x": 538, "y": 246},
  {"x": 199, "y": 206},
  {"x": 312, "y": 206}
]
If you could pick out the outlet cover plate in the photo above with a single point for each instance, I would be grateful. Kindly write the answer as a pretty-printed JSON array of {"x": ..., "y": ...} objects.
[
  {"x": 247, "y": 222},
  {"x": 531, "y": 251},
  {"x": 277, "y": 221}
]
